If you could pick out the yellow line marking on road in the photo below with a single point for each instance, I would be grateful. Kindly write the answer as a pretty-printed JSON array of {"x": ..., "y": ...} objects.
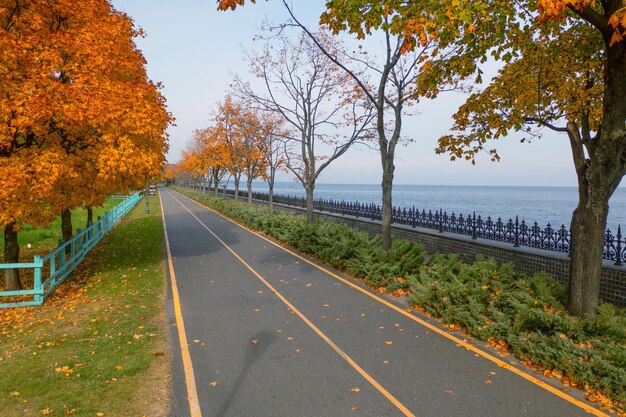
[
  {"x": 190, "y": 379},
  {"x": 309, "y": 323},
  {"x": 588, "y": 408}
]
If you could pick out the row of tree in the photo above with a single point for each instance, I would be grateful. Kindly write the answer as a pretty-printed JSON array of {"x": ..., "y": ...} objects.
[
  {"x": 79, "y": 119},
  {"x": 563, "y": 67}
]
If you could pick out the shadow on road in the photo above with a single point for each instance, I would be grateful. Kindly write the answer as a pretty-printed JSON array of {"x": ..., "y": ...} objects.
[{"x": 255, "y": 351}]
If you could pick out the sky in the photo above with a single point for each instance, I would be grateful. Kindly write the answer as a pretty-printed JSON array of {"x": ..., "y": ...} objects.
[{"x": 194, "y": 50}]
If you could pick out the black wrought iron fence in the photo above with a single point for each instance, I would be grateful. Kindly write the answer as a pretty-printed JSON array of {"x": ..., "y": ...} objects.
[{"x": 517, "y": 232}]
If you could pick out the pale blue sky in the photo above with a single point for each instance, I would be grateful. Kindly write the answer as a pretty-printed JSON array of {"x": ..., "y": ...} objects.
[{"x": 193, "y": 49}]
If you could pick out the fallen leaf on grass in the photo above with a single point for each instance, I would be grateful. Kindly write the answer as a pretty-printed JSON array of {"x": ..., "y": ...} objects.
[
  {"x": 46, "y": 411},
  {"x": 14, "y": 394}
]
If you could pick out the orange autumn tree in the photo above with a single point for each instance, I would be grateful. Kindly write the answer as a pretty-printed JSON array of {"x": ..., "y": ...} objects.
[
  {"x": 78, "y": 116},
  {"x": 239, "y": 131},
  {"x": 205, "y": 159}
]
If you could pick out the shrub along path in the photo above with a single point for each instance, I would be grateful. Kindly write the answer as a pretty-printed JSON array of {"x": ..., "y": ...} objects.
[{"x": 266, "y": 331}]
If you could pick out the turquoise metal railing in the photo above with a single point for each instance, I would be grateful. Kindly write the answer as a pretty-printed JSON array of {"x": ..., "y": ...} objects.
[{"x": 59, "y": 264}]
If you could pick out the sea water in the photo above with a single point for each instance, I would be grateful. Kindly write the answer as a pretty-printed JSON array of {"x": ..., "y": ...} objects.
[{"x": 544, "y": 205}]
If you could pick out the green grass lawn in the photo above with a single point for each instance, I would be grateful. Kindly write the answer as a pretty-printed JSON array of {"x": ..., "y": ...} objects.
[
  {"x": 44, "y": 239},
  {"x": 98, "y": 346}
]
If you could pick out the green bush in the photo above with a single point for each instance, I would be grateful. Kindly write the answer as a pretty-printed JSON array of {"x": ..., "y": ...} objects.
[{"x": 527, "y": 312}]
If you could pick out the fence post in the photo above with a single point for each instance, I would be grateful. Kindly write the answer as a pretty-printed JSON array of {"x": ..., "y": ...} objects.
[
  {"x": 440, "y": 220},
  {"x": 37, "y": 284},
  {"x": 79, "y": 239},
  {"x": 516, "y": 243},
  {"x": 618, "y": 249},
  {"x": 474, "y": 226}
]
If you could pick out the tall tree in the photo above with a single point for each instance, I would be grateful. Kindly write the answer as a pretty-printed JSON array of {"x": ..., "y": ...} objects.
[
  {"x": 565, "y": 70},
  {"x": 418, "y": 60},
  {"x": 73, "y": 82},
  {"x": 314, "y": 99}
]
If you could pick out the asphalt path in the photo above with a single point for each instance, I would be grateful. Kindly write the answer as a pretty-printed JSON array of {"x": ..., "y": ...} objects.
[{"x": 258, "y": 330}]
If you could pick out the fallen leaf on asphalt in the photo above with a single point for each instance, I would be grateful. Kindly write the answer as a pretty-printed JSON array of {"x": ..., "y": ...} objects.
[
  {"x": 355, "y": 389},
  {"x": 196, "y": 340},
  {"x": 388, "y": 342},
  {"x": 309, "y": 285},
  {"x": 256, "y": 310},
  {"x": 354, "y": 408},
  {"x": 386, "y": 362},
  {"x": 488, "y": 381},
  {"x": 213, "y": 384},
  {"x": 326, "y": 305},
  {"x": 259, "y": 292},
  {"x": 426, "y": 332},
  {"x": 297, "y": 350},
  {"x": 448, "y": 392}
]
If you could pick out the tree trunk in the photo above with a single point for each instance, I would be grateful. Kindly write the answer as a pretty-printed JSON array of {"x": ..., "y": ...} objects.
[
  {"x": 216, "y": 184},
  {"x": 270, "y": 198},
  {"x": 587, "y": 241},
  {"x": 249, "y": 184},
  {"x": 89, "y": 216},
  {"x": 599, "y": 172},
  {"x": 309, "y": 202},
  {"x": 236, "y": 188},
  {"x": 66, "y": 227},
  {"x": 387, "y": 184},
  {"x": 11, "y": 255}
]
